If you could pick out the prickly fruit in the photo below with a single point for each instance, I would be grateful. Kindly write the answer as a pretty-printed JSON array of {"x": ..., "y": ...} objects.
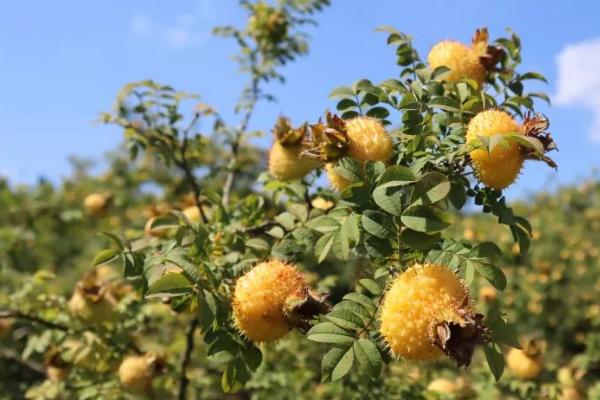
[
  {"x": 271, "y": 299},
  {"x": 462, "y": 61},
  {"x": 259, "y": 299},
  {"x": 337, "y": 181},
  {"x": 368, "y": 140},
  {"x": 426, "y": 314},
  {"x": 92, "y": 301},
  {"x": 500, "y": 167}
]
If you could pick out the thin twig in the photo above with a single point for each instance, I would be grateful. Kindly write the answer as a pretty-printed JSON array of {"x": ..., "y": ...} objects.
[
  {"x": 186, "y": 358},
  {"x": 235, "y": 144},
  {"x": 33, "y": 318},
  {"x": 185, "y": 166},
  {"x": 31, "y": 365}
]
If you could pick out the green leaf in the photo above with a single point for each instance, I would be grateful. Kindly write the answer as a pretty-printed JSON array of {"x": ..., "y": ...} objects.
[
  {"x": 430, "y": 188},
  {"x": 370, "y": 285},
  {"x": 419, "y": 240},
  {"x": 495, "y": 359},
  {"x": 378, "y": 112},
  {"x": 533, "y": 75},
  {"x": 328, "y": 332},
  {"x": 323, "y": 246},
  {"x": 351, "y": 229},
  {"x": 398, "y": 174},
  {"x": 346, "y": 319},
  {"x": 323, "y": 224},
  {"x": 349, "y": 169},
  {"x": 105, "y": 256},
  {"x": 258, "y": 244},
  {"x": 368, "y": 355},
  {"x": 378, "y": 224},
  {"x": 361, "y": 299},
  {"x": 170, "y": 284},
  {"x": 342, "y": 91},
  {"x": 287, "y": 220},
  {"x": 345, "y": 104},
  {"x": 502, "y": 332},
  {"x": 343, "y": 366},
  {"x": 340, "y": 245},
  {"x": 389, "y": 197},
  {"x": 493, "y": 274},
  {"x": 329, "y": 362},
  {"x": 445, "y": 103},
  {"x": 426, "y": 219}
]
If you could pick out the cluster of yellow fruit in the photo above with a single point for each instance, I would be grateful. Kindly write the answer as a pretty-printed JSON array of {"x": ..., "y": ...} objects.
[
  {"x": 365, "y": 139},
  {"x": 425, "y": 316}
]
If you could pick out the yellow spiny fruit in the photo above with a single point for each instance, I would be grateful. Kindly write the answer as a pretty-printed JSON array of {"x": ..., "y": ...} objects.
[
  {"x": 522, "y": 365},
  {"x": 285, "y": 162},
  {"x": 337, "y": 181},
  {"x": 137, "y": 372},
  {"x": 463, "y": 61},
  {"x": 259, "y": 299},
  {"x": 417, "y": 302},
  {"x": 368, "y": 140},
  {"x": 500, "y": 167},
  {"x": 322, "y": 204},
  {"x": 95, "y": 203}
]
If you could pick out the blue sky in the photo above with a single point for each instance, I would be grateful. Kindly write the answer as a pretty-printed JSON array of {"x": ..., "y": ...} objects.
[{"x": 61, "y": 62}]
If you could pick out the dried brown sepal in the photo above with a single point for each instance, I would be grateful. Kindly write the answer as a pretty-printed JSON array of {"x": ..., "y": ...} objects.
[
  {"x": 52, "y": 358},
  {"x": 489, "y": 55},
  {"x": 286, "y": 135},
  {"x": 327, "y": 142},
  {"x": 458, "y": 341},
  {"x": 303, "y": 306},
  {"x": 536, "y": 126},
  {"x": 90, "y": 288}
]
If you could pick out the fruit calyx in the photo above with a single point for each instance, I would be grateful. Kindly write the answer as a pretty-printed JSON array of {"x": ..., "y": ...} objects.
[
  {"x": 458, "y": 340},
  {"x": 301, "y": 307},
  {"x": 536, "y": 126},
  {"x": 327, "y": 142},
  {"x": 489, "y": 55},
  {"x": 286, "y": 135}
]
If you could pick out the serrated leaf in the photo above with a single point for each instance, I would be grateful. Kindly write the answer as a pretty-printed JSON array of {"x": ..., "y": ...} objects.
[
  {"x": 346, "y": 319},
  {"x": 323, "y": 246},
  {"x": 368, "y": 355},
  {"x": 343, "y": 366},
  {"x": 370, "y": 285},
  {"x": 361, "y": 299}
]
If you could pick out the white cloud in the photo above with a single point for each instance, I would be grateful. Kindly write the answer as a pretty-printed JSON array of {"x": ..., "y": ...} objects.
[
  {"x": 187, "y": 29},
  {"x": 140, "y": 25},
  {"x": 579, "y": 79}
]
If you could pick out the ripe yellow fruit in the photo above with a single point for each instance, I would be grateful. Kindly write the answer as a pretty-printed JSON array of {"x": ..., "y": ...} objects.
[
  {"x": 337, "y": 181},
  {"x": 260, "y": 297},
  {"x": 488, "y": 294},
  {"x": 322, "y": 204},
  {"x": 368, "y": 140},
  {"x": 442, "y": 385},
  {"x": 422, "y": 303},
  {"x": 522, "y": 365},
  {"x": 55, "y": 367},
  {"x": 285, "y": 162},
  {"x": 500, "y": 167},
  {"x": 137, "y": 372},
  {"x": 95, "y": 203},
  {"x": 56, "y": 374},
  {"x": 463, "y": 61},
  {"x": 92, "y": 301}
]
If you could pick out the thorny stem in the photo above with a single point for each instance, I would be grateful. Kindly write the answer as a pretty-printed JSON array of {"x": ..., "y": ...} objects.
[
  {"x": 186, "y": 357},
  {"x": 235, "y": 143}
]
